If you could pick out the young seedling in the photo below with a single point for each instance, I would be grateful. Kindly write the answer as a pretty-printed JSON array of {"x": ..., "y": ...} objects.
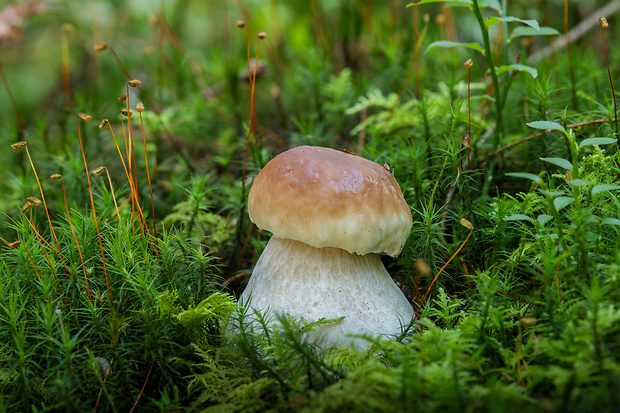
[
  {"x": 87, "y": 118},
  {"x": 57, "y": 177},
  {"x": 602, "y": 22}
]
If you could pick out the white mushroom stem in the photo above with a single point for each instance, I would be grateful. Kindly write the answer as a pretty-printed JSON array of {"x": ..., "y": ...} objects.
[{"x": 295, "y": 278}]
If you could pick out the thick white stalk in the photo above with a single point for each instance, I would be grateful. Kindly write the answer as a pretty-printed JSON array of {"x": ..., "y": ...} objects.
[{"x": 303, "y": 281}]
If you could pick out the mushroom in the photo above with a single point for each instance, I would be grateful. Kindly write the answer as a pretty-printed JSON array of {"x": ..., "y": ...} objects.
[{"x": 331, "y": 214}]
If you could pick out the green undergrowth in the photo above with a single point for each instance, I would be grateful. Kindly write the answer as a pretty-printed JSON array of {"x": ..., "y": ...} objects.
[{"x": 512, "y": 265}]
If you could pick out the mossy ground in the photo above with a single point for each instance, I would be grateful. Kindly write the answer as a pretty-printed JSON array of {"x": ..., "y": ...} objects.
[{"x": 111, "y": 314}]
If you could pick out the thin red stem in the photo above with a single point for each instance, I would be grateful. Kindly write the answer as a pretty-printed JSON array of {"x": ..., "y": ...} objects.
[
  {"x": 92, "y": 203},
  {"x": 440, "y": 271},
  {"x": 141, "y": 219},
  {"x": 49, "y": 262},
  {"x": 33, "y": 266},
  {"x": 142, "y": 391},
  {"x": 133, "y": 152},
  {"x": 105, "y": 378},
  {"x": 148, "y": 176},
  {"x": 251, "y": 126},
  {"x": 129, "y": 174},
  {"x": 253, "y": 106},
  {"x": 77, "y": 244},
  {"x": 469, "y": 113}
]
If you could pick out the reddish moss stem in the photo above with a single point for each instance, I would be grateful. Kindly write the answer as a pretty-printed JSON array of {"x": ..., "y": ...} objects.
[
  {"x": 251, "y": 126},
  {"x": 92, "y": 203},
  {"x": 49, "y": 262},
  {"x": 148, "y": 176},
  {"x": 77, "y": 244},
  {"x": 440, "y": 271}
]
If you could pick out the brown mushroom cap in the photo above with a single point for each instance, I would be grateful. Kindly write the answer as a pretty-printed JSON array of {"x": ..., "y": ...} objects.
[{"x": 329, "y": 198}]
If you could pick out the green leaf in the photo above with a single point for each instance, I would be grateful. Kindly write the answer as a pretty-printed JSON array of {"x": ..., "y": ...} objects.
[
  {"x": 462, "y": 2},
  {"x": 611, "y": 221},
  {"x": 562, "y": 163},
  {"x": 526, "y": 175},
  {"x": 521, "y": 68},
  {"x": 579, "y": 182},
  {"x": 604, "y": 188},
  {"x": 448, "y": 44},
  {"x": 492, "y": 4},
  {"x": 545, "y": 125},
  {"x": 518, "y": 217},
  {"x": 509, "y": 19},
  {"x": 552, "y": 194},
  {"x": 597, "y": 141},
  {"x": 562, "y": 201},
  {"x": 529, "y": 31},
  {"x": 544, "y": 218}
]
